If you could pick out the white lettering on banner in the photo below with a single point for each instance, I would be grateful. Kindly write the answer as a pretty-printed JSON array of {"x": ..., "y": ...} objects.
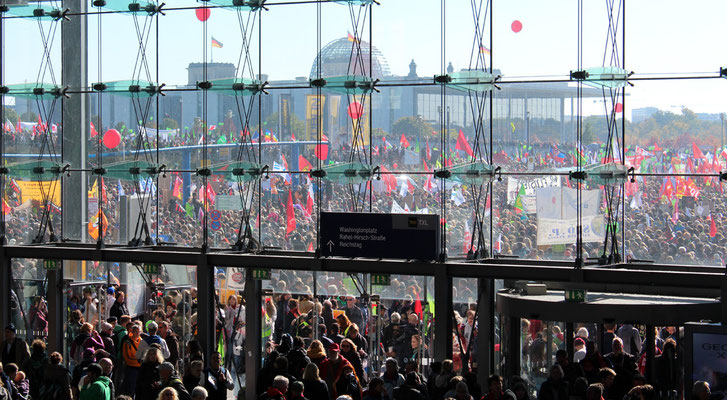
[
  {"x": 563, "y": 231},
  {"x": 513, "y": 187},
  {"x": 710, "y": 357}
]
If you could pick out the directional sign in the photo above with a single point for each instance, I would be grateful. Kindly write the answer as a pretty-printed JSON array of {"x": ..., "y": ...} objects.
[
  {"x": 215, "y": 215},
  {"x": 51, "y": 265},
  {"x": 381, "y": 279},
  {"x": 260, "y": 274},
  {"x": 215, "y": 225},
  {"x": 407, "y": 236},
  {"x": 576, "y": 295},
  {"x": 151, "y": 269}
]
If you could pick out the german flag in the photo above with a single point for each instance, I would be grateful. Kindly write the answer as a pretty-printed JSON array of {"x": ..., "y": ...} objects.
[
  {"x": 216, "y": 43},
  {"x": 484, "y": 50}
]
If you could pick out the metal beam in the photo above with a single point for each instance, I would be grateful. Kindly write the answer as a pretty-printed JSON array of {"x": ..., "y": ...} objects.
[
  {"x": 6, "y": 276},
  {"x": 253, "y": 340},
  {"x": 485, "y": 329},
  {"x": 55, "y": 298},
  {"x": 617, "y": 279},
  {"x": 444, "y": 315},
  {"x": 206, "y": 306}
]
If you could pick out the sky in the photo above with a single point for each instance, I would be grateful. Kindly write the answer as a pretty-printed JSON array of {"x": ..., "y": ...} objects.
[{"x": 671, "y": 39}]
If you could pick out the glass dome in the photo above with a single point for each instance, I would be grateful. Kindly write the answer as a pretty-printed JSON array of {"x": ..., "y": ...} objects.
[{"x": 339, "y": 57}]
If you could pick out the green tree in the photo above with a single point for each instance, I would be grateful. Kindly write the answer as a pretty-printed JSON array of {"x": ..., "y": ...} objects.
[
  {"x": 412, "y": 127},
  {"x": 10, "y": 114},
  {"x": 169, "y": 123},
  {"x": 29, "y": 116}
]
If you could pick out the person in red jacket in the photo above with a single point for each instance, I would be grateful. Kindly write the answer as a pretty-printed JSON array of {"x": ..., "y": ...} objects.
[{"x": 332, "y": 368}]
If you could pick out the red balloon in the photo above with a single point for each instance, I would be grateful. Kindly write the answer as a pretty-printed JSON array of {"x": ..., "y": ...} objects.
[
  {"x": 355, "y": 110},
  {"x": 619, "y": 107},
  {"x": 111, "y": 138},
  {"x": 203, "y": 14},
  {"x": 516, "y": 26}
]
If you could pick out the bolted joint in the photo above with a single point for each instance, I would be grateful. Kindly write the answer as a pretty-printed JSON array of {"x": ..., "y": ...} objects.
[
  {"x": 38, "y": 12},
  {"x": 99, "y": 3},
  {"x": 204, "y": 172},
  {"x": 723, "y": 176},
  {"x": 204, "y": 85},
  {"x": 318, "y": 82},
  {"x": 100, "y": 87},
  {"x": 238, "y": 171},
  {"x": 443, "y": 79},
  {"x": 134, "y": 7},
  {"x": 99, "y": 171},
  {"x": 723, "y": 72},
  {"x": 318, "y": 173},
  {"x": 443, "y": 173},
  {"x": 578, "y": 75},
  {"x": 4, "y": 90},
  {"x": 39, "y": 91},
  {"x": 578, "y": 175},
  {"x": 38, "y": 170},
  {"x": 4, "y": 170}
]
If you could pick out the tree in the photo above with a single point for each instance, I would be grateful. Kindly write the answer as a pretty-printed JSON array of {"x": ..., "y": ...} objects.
[
  {"x": 10, "y": 114},
  {"x": 170, "y": 123},
  {"x": 412, "y": 126},
  {"x": 29, "y": 116}
]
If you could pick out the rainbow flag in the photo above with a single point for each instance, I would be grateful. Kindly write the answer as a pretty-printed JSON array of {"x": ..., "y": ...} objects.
[{"x": 216, "y": 43}]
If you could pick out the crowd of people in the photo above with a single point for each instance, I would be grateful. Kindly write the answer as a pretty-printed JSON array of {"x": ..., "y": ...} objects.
[{"x": 330, "y": 347}]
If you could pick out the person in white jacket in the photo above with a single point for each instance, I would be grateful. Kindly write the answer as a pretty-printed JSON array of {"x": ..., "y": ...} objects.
[{"x": 147, "y": 340}]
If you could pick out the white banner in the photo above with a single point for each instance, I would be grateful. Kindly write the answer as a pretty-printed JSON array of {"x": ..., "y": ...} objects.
[
  {"x": 561, "y": 202},
  {"x": 563, "y": 231},
  {"x": 513, "y": 186}
]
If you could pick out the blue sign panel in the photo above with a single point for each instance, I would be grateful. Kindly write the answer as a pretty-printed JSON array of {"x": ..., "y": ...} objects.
[{"x": 407, "y": 236}]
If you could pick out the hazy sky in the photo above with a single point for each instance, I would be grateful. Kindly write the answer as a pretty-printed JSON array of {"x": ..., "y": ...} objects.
[{"x": 673, "y": 38}]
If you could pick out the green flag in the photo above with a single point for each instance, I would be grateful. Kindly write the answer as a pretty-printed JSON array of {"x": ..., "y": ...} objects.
[
  {"x": 519, "y": 207},
  {"x": 189, "y": 210},
  {"x": 221, "y": 344}
]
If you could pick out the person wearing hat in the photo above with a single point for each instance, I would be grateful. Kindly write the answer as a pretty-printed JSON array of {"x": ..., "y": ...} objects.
[
  {"x": 332, "y": 368},
  {"x": 580, "y": 349},
  {"x": 171, "y": 379},
  {"x": 14, "y": 350},
  {"x": 96, "y": 385}
]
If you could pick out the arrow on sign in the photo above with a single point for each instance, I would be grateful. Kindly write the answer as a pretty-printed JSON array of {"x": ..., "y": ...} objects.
[{"x": 330, "y": 245}]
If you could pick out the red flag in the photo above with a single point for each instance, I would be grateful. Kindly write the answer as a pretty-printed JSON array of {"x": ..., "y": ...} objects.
[
  {"x": 712, "y": 226},
  {"x": 675, "y": 216},
  {"x": 19, "y": 127},
  {"x": 697, "y": 152},
  {"x": 429, "y": 151},
  {"x": 177, "y": 190},
  {"x": 310, "y": 247},
  {"x": 6, "y": 208},
  {"x": 389, "y": 179},
  {"x": 404, "y": 143},
  {"x": 467, "y": 237},
  {"x": 94, "y": 132},
  {"x": 309, "y": 201},
  {"x": 321, "y": 150},
  {"x": 104, "y": 197},
  {"x": 303, "y": 164},
  {"x": 290, "y": 214},
  {"x": 292, "y": 136},
  {"x": 418, "y": 306},
  {"x": 463, "y": 145}
]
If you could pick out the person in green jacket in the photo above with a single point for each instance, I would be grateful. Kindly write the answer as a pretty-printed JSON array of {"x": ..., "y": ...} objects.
[{"x": 95, "y": 385}]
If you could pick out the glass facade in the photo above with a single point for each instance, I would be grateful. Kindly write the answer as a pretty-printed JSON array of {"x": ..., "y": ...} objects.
[{"x": 556, "y": 131}]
